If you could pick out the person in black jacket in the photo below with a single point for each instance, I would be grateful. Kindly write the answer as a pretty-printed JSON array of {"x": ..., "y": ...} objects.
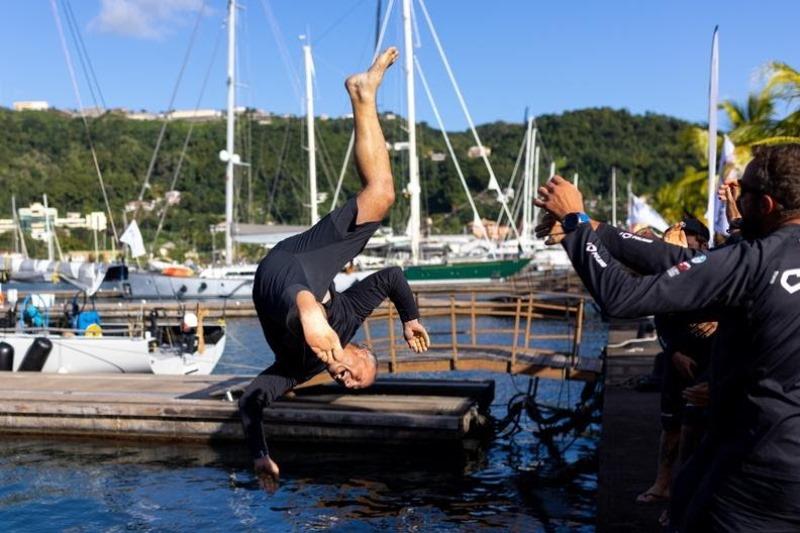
[
  {"x": 746, "y": 473},
  {"x": 306, "y": 322}
]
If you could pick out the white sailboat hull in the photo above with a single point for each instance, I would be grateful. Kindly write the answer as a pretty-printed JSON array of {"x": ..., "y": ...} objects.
[{"x": 109, "y": 354}]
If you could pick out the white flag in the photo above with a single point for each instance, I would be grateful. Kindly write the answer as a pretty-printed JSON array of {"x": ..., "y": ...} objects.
[
  {"x": 643, "y": 215},
  {"x": 726, "y": 160},
  {"x": 133, "y": 238}
]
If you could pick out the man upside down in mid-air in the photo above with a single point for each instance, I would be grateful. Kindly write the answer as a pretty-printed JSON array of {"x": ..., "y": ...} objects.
[{"x": 305, "y": 321}]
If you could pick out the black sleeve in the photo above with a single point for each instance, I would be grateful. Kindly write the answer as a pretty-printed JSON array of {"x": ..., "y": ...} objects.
[
  {"x": 391, "y": 283},
  {"x": 267, "y": 386},
  {"x": 643, "y": 255},
  {"x": 706, "y": 280}
]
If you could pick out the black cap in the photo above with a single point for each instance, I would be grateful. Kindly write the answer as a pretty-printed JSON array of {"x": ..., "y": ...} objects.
[{"x": 693, "y": 225}]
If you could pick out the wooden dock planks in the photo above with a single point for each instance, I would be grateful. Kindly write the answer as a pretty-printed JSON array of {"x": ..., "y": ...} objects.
[{"x": 196, "y": 408}]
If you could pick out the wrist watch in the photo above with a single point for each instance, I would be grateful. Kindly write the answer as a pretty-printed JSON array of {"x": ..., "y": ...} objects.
[{"x": 573, "y": 220}]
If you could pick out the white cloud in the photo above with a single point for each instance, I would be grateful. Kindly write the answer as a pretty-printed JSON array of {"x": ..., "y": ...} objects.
[{"x": 144, "y": 19}]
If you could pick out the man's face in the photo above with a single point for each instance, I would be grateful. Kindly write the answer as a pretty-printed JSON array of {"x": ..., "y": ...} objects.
[
  {"x": 750, "y": 205},
  {"x": 694, "y": 242},
  {"x": 356, "y": 370}
]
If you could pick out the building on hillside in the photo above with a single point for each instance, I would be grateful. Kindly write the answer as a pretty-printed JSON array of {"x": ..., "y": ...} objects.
[
  {"x": 490, "y": 229},
  {"x": 143, "y": 115},
  {"x": 437, "y": 157},
  {"x": 198, "y": 115},
  {"x": 31, "y": 105},
  {"x": 475, "y": 152}
]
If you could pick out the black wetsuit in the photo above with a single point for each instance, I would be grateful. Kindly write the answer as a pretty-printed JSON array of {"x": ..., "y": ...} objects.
[
  {"x": 746, "y": 473},
  {"x": 310, "y": 261}
]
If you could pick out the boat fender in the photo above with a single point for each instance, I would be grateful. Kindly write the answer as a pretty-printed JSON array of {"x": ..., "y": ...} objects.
[
  {"x": 36, "y": 356},
  {"x": 6, "y": 357}
]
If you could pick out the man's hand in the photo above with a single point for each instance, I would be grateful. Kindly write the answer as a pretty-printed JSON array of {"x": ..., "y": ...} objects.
[
  {"x": 549, "y": 228},
  {"x": 729, "y": 193},
  {"x": 560, "y": 197},
  {"x": 318, "y": 334},
  {"x": 416, "y": 336},
  {"x": 684, "y": 364},
  {"x": 675, "y": 235},
  {"x": 698, "y": 395},
  {"x": 703, "y": 329},
  {"x": 267, "y": 472}
]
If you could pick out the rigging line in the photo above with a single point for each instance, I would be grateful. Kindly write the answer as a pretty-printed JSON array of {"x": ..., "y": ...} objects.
[
  {"x": 278, "y": 166},
  {"x": 188, "y": 138},
  {"x": 475, "y": 214},
  {"x": 338, "y": 21},
  {"x": 85, "y": 52},
  {"x": 151, "y": 166},
  {"x": 492, "y": 179},
  {"x": 83, "y": 115},
  {"x": 351, "y": 143},
  {"x": 325, "y": 159},
  {"x": 513, "y": 176},
  {"x": 72, "y": 27},
  {"x": 280, "y": 42}
]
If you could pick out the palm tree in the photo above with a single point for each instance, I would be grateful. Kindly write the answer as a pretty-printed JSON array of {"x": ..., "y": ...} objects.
[{"x": 784, "y": 83}]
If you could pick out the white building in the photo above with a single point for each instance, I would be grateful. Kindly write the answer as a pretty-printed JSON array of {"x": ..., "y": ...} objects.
[
  {"x": 195, "y": 114},
  {"x": 31, "y": 105},
  {"x": 475, "y": 152}
]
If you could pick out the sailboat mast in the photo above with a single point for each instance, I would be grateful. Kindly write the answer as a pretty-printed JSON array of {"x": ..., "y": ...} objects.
[
  {"x": 312, "y": 148},
  {"x": 526, "y": 183},
  {"x": 413, "y": 164},
  {"x": 536, "y": 182},
  {"x": 229, "y": 146},
  {"x": 50, "y": 252},
  {"x": 614, "y": 196}
]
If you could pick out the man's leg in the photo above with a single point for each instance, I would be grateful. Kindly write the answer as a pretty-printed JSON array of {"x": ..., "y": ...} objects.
[{"x": 372, "y": 158}]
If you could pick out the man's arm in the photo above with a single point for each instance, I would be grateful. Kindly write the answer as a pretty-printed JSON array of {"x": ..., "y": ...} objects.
[
  {"x": 391, "y": 283},
  {"x": 265, "y": 388},
  {"x": 641, "y": 254},
  {"x": 719, "y": 278}
]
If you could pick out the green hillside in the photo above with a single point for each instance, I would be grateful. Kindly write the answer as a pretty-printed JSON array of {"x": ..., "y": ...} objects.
[{"x": 47, "y": 152}]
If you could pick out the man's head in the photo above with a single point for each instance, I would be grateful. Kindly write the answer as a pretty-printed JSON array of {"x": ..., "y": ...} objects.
[
  {"x": 696, "y": 233},
  {"x": 356, "y": 368},
  {"x": 770, "y": 189}
]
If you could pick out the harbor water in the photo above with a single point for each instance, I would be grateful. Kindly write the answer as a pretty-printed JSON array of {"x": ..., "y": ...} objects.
[{"x": 512, "y": 482}]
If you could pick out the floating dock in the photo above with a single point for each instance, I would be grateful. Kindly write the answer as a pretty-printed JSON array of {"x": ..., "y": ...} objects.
[{"x": 203, "y": 408}]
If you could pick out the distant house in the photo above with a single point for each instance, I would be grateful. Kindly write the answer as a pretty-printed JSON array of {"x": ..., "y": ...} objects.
[
  {"x": 475, "y": 152},
  {"x": 437, "y": 157},
  {"x": 143, "y": 115},
  {"x": 31, "y": 105},
  {"x": 198, "y": 115},
  {"x": 489, "y": 229}
]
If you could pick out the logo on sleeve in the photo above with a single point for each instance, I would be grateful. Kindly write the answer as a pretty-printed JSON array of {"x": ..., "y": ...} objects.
[
  {"x": 628, "y": 235},
  {"x": 672, "y": 272},
  {"x": 592, "y": 249},
  {"x": 683, "y": 266},
  {"x": 698, "y": 259},
  {"x": 790, "y": 287}
]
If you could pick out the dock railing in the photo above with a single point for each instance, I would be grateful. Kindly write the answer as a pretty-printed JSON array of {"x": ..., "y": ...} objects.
[{"x": 466, "y": 344}]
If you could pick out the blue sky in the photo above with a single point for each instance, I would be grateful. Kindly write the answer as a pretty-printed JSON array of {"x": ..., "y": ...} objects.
[{"x": 646, "y": 55}]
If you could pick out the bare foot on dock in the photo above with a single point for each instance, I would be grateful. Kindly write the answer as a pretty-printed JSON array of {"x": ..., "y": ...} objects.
[{"x": 363, "y": 86}]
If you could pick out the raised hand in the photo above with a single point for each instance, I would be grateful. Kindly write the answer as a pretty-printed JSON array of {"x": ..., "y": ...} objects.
[
  {"x": 267, "y": 472},
  {"x": 560, "y": 197},
  {"x": 675, "y": 235},
  {"x": 318, "y": 334},
  {"x": 416, "y": 336},
  {"x": 549, "y": 228}
]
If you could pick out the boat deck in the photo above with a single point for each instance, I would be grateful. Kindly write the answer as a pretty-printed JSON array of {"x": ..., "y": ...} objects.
[{"x": 201, "y": 408}]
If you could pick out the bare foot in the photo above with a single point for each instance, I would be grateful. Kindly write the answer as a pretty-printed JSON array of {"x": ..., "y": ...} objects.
[{"x": 363, "y": 86}]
